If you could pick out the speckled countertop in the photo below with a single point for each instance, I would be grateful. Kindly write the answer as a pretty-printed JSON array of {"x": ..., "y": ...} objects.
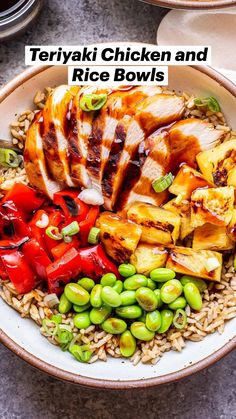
[{"x": 28, "y": 394}]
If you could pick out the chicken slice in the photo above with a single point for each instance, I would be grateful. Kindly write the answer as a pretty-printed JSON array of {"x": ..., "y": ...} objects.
[
  {"x": 190, "y": 136},
  {"x": 78, "y": 137},
  {"x": 34, "y": 160},
  {"x": 152, "y": 162},
  {"x": 56, "y": 114},
  {"x": 120, "y": 103},
  {"x": 152, "y": 113}
]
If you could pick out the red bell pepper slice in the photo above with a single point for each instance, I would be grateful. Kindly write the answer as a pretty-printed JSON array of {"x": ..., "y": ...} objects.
[
  {"x": 3, "y": 272},
  {"x": 63, "y": 271},
  {"x": 19, "y": 271},
  {"x": 74, "y": 209},
  {"x": 95, "y": 263},
  {"x": 12, "y": 224},
  {"x": 37, "y": 258},
  {"x": 26, "y": 199},
  {"x": 59, "y": 250},
  {"x": 37, "y": 232},
  {"x": 87, "y": 224}
]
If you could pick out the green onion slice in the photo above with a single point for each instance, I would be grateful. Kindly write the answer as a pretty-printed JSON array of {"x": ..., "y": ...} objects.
[
  {"x": 53, "y": 233},
  {"x": 81, "y": 352},
  {"x": 50, "y": 326},
  {"x": 71, "y": 229},
  {"x": 180, "y": 319},
  {"x": 210, "y": 102},
  {"x": 235, "y": 263},
  {"x": 161, "y": 184},
  {"x": 92, "y": 102},
  {"x": 8, "y": 158},
  {"x": 93, "y": 236},
  {"x": 64, "y": 336},
  {"x": 57, "y": 318},
  {"x": 67, "y": 239}
]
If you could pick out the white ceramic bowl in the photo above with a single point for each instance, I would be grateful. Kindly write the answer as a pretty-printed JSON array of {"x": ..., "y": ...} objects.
[{"x": 23, "y": 337}]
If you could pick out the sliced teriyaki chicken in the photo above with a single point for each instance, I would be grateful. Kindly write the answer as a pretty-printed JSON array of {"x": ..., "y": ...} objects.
[
  {"x": 151, "y": 114},
  {"x": 34, "y": 160},
  {"x": 119, "y": 103},
  {"x": 190, "y": 136},
  {"x": 55, "y": 130},
  {"x": 78, "y": 137},
  {"x": 180, "y": 143},
  {"x": 152, "y": 162}
]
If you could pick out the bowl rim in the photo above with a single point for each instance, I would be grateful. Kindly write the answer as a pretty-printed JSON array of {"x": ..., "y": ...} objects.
[
  {"x": 58, "y": 373},
  {"x": 192, "y": 4}
]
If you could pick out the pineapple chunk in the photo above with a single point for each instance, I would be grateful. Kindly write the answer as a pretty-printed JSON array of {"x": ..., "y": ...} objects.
[
  {"x": 194, "y": 262},
  {"x": 159, "y": 226},
  {"x": 231, "y": 228},
  {"x": 183, "y": 209},
  {"x": 218, "y": 165},
  {"x": 186, "y": 181},
  {"x": 148, "y": 257},
  {"x": 120, "y": 237},
  {"x": 212, "y": 205},
  {"x": 211, "y": 237}
]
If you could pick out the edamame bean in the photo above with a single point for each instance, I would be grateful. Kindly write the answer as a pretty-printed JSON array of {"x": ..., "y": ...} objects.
[
  {"x": 127, "y": 344},
  {"x": 153, "y": 320},
  {"x": 171, "y": 290},
  {"x": 158, "y": 295},
  {"x": 118, "y": 286},
  {"x": 76, "y": 294},
  {"x": 180, "y": 302},
  {"x": 128, "y": 298},
  {"x": 140, "y": 331},
  {"x": 99, "y": 315},
  {"x": 151, "y": 284},
  {"x": 64, "y": 305},
  {"x": 86, "y": 283},
  {"x": 108, "y": 279},
  {"x": 110, "y": 297},
  {"x": 200, "y": 284},
  {"x": 80, "y": 309},
  {"x": 193, "y": 296},
  {"x": 146, "y": 298},
  {"x": 82, "y": 320},
  {"x": 114, "y": 326},
  {"x": 126, "y": 270},
  {"x": 129, "y": 312},
  {"x": 135, "y": 281},
  {"x": 96, "y": 296},
  {"x": 166, "y": 320},
  {"x": 162, "y": 274}
]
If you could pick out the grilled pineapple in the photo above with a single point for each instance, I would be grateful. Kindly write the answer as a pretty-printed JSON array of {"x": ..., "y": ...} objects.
[
  {"x": 218, "y": 165},
  {"x": 183, "y": 209},
  {"x": 159, "y": 226},
  {"x": 211, "y": 237},
  {"x": 195, "y": 262},
  {"x": 212, "y": 205},
  {"x": 186, "y": 181},
  {"x": 148, "y": 257},
  {"x": 231, "y": 228},
  {"x": 120, "y": 237}
]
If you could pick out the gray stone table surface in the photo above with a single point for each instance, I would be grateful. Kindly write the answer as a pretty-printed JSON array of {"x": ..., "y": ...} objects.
[{"x": 26, "y": 393}]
